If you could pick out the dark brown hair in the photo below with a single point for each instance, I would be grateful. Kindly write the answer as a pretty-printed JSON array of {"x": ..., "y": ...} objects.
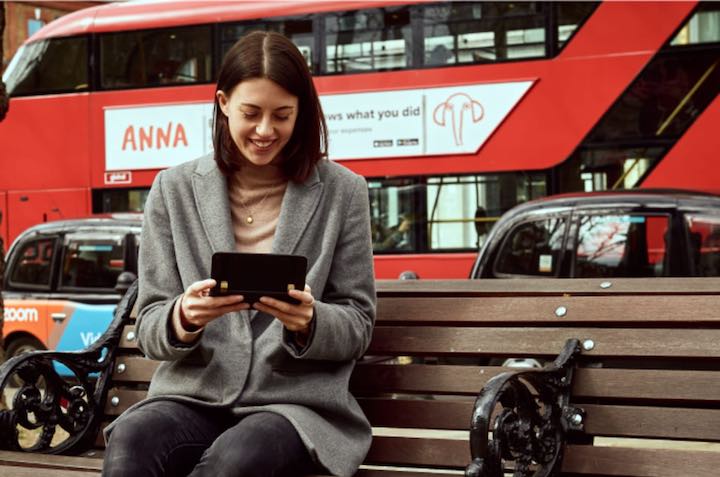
[{"x": 270, "y": 55}]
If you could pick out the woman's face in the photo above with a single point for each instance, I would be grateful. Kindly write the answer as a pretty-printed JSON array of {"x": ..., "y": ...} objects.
[{"x": 261, "y": 118}]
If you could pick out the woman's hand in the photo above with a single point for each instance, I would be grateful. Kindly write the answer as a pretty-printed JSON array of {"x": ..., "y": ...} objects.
[
  {"x": 198, "y": 308},
  {"x": 295, "y": 318}
]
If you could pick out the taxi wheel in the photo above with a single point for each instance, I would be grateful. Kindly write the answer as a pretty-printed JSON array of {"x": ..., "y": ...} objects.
[{"x": 20, "y": 346}]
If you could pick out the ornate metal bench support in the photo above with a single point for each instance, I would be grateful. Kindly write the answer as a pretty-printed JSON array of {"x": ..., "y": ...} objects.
[
  {"x": 532, "y": 422},
  {"x": 47, "y": 400}
]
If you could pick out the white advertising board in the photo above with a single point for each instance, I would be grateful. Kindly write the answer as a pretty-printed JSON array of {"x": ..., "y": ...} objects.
[
  {"x": 156, "y": 137},
  {"x": 418, "y": 122},
  {"x": 400, "y": 123}
]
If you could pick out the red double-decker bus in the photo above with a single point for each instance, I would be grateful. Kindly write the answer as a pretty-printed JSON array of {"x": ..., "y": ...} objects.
[{"x": 454, "y": 111}]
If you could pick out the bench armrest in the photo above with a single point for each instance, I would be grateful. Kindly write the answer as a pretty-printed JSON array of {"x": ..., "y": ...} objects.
[
  {"x": 533, "y": 420},
  {"x": 46, "y": 399}
]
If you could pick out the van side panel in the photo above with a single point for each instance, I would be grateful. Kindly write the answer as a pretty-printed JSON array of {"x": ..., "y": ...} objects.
[
  {"x": 84, "y": 325},
  {"x": 57, "y": 324},
  {"x": 27, "y": 316}
]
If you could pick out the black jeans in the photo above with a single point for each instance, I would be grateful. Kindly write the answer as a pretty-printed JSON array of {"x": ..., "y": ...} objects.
[{"x": 167, "y": 438}]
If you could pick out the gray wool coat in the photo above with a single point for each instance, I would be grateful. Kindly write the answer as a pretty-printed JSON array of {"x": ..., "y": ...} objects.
[{"x": 246, "y": 361}]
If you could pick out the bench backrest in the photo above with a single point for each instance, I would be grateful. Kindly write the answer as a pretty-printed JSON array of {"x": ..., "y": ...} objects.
[{"x": 648, "y": 377}]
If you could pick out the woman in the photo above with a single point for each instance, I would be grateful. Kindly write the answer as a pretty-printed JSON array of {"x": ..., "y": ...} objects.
[{"x": 253, "y": 391}]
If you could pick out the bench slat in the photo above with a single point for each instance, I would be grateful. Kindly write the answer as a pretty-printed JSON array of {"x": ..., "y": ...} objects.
[
  {"x": 126, "y": 397},
  {"x": 124, "y": 341},
  {"x": 426, "y": 414},
  {"x": 588, "y": 382},
  {"x": 650, "y": 384},
  {"x": 390, "y": 473},
  {"x": 619, "y": 461},
  {"x": 640, "y": 384},
  {"x": 137, "y": 369},
  {"x": 70, "y": 463},
  {"x": 639, "y": 421},
  {"x": 16, "y": 471},
  {"x": 552, "y": 286},
  {"x": 537, "y": 310},
  {"x": 609, "y": 342},
  {"x": 610, "y": 420},
  {"x": 446, "y": 453}
]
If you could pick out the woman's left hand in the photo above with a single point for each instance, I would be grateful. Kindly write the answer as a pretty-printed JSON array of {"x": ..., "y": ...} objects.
[{"x": 296, "y": 318}]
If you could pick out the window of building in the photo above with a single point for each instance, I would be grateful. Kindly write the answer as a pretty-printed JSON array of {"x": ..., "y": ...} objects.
[
  {"x": 92, "y": 260},
  {"x": 156, "y": 57},
  {"x": 34, "y": 264},
  {"x": 57, "y": 65},
  {"x": 621, "y": 246},
  {"x": 533, "y": 249},
  {"x": 704, "y": 243}
]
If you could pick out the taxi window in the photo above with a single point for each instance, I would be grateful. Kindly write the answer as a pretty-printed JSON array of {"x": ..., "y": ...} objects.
[
  {"x": 34, "y": 264},
  {"x": 621, "y": 246},
  {"x": 533, "y": 248},
  {"x": 92, "y": 260},
  {"x": 705, "y": 244}
]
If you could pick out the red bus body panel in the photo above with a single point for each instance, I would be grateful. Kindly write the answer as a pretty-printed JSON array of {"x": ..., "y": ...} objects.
[
  {"x": 697, "y": 152},
  {"x": 54, "y": 146}
]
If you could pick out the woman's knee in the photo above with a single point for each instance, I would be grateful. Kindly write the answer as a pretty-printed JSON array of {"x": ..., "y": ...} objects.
[
  {"x": 260, "y": 445},
  {"x": 128, "y": 432}
]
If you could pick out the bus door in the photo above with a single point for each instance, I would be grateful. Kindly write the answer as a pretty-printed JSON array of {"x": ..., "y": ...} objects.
[{"x": 90, "y": 264}]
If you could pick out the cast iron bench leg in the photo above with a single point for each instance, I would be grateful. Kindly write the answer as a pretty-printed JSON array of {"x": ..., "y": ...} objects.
[{"x": 533, "y": 422}]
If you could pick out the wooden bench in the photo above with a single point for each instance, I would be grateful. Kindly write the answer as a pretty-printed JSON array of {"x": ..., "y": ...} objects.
[{"x": 640, "y": 395}]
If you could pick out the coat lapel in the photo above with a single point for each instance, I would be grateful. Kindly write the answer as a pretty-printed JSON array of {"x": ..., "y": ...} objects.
[
  {"x": 213, "y": 205},
  {"x": 298, "y": 207}
]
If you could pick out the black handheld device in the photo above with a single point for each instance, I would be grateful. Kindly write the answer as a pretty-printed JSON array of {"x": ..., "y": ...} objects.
[{"x": 258, "y": 274}]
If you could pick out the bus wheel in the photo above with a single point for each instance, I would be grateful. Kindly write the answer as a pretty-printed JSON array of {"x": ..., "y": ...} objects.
[{"x": 18, "y": 346}]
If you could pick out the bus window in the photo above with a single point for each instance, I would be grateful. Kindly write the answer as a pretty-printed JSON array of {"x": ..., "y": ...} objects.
[
  {"x": 298, "y": 29},
  {"x": 462, "y": 209},
  {"x": 533, "y": 249},
  {"x": 49, "y": 66},
  {"x": 155, "y": 57},
  {"x": 394, "y": 215},
  {"x": 476, "y": 32},
  {"x": 703, "y": 27},
  {"x": 705, "y": 244},
  {"x": 569, "y": 16},
  {"x": 444, "y": 213},
  {"x": 119, "y": 200},
  {"x": 621, "y": 246},
  {"x": 376, "y": 39},
  {"x": 453, "y": 204},
  {"x": 92, "y": 260},
  {"x": 34, "y": 266}
]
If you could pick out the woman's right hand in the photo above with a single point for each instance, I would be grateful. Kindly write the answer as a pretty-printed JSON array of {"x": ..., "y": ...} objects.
[{"x": 198, "y": 308}]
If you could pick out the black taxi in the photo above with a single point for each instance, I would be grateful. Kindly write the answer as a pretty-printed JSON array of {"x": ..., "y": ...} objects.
[
  {"x": 63, "y": 280},
  {"x": 638, "y": 233}
]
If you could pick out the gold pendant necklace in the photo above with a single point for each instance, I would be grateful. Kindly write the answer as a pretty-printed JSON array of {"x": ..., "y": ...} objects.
[{"x": 250, "y": 219}]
